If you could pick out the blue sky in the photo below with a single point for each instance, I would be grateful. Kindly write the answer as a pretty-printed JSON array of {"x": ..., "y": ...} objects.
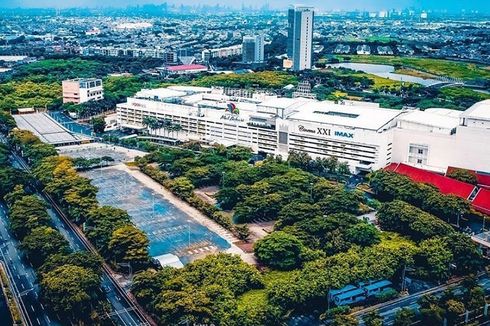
[{"x": 451, "y": 5}]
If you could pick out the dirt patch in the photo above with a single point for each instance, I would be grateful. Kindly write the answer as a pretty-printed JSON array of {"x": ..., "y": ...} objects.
[
  {"x": 207, "y": 194},
  {"x": 247, "y": 247}
]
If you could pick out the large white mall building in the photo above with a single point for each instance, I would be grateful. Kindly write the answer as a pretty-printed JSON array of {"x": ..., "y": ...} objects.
[{"x": 362, "y": 134}]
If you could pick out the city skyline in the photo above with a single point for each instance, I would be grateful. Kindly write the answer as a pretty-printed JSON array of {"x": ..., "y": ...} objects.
[{"x": 372, "y": 5}]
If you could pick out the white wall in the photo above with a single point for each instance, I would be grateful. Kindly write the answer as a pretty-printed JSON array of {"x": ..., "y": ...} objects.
[{"x": 469, "y": 148}]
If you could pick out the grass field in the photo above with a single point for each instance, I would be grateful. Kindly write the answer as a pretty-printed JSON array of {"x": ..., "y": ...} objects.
[
  {"x": 438, "y": 67},
  {"x": 266, "y": 79},
  {"x": 378, "y": 81}
]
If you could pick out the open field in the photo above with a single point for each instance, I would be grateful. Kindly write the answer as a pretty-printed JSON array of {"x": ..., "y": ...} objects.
[
  {"x": 379, "y": 82},
  {"x": 438, "y": 67}
]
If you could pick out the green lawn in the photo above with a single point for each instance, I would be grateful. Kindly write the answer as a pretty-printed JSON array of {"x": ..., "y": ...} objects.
[{"x": 265, "y": 79}]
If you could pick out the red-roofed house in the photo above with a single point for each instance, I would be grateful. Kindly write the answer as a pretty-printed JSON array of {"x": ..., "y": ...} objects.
[
  {"x": 444, "y": 184},
  {"x": 183, "y": 69}
]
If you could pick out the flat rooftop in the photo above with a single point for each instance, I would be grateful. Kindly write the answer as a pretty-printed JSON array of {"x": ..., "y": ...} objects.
[
  {"x": 431, "y": 119},
  {"x": 44, "y": 127},
  {"x": 159, "y": 93},
  {"x": 480, "y": 110},
  {"x": 353, "y": 115}
]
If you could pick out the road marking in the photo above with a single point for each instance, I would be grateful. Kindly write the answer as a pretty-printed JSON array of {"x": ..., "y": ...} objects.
[
  {"x": 42, "y": 307},
  {"x": 38, "y": 322},
  {"x": 49, "y": 320},
  {"x": 32, "y": 308}
]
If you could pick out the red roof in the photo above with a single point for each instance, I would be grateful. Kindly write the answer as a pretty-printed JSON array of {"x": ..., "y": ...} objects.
[
  {"x": 444, "y": 184},
  {"x": 482, "y": 201},
  {"x": 186, "y": 67}
]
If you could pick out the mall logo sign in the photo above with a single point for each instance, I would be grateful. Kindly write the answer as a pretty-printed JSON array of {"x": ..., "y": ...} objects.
[
  {"x": 344, "y": 134},
  {"x": 319, "y": 131}
]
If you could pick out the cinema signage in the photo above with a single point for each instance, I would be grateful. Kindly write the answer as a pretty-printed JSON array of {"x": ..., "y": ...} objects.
[
  {"x": 318, "y": 131},
  {"x": 344, "y": 134}
]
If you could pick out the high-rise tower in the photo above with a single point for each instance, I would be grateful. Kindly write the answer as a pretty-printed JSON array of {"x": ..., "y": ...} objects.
[{"x": 300, "y": 36}]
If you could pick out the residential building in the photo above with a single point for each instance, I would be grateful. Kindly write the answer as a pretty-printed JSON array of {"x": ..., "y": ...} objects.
[
  {"x": 253, "y": 49},
  {"x": 300, "y": 36},
  {"x": 221, "y": 52},
  {"x": 82, "y": 90}
]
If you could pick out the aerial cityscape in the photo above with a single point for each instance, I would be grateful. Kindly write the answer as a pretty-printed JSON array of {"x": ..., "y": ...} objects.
[{"x": 244, "y": 164}]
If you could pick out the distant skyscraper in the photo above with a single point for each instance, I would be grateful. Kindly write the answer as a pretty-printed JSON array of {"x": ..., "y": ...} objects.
[
  {"x": 300, "y": 36},
  {"x": 253, "y": 49}
]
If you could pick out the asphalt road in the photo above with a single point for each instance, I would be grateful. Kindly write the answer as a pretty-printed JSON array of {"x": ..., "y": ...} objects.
[
  {"x": 22, "y": 275},
  {"x": 124, "y": 311},
  {"x": 389, "y": 309}
]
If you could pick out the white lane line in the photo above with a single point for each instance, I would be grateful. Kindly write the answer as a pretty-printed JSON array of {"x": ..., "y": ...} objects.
[{"x": 32, "y": 308}]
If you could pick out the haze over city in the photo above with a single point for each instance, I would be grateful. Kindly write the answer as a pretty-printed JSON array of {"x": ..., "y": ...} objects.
[{"x": 450, "y": 5}]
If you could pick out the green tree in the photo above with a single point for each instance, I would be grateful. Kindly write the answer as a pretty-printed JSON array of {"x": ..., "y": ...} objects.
[
  {"x": 404, "y": 317},
  {"x": 228, "y": 198},
  {"x": 70, "y": 291},
  {"x": 434, "y": 257},
  {"x": 83, "y": 259},
  {"x": 43, "y": 242},
  {"x": 36, "y": 152},
  {"x": 147, "y": 284},
  {"x": 373, "y": 318},
  {"x": 279, "y": 250},
  {"x": 363, "y": 234},
  {"x": 129, "y": 245},
  {"x": 454, "y": 308},
  {"x": 345, "y": 320},
  {"x": 298, "y": 159},
  {"x": 16, "y": 194},
  {"x": 26, "y": 214},
  {"x": 408, "y": 220},
  {"x": 430, "y": 311},
  {"x": 242, "y": 231},
  {"x": 475, "y": 298},
  {"x": 7, "y": 123},
  {"x": 98, "y": 124},
  {"x": 467, "y": 256},
  {"x": 342, "y": 201},
  {"x": 297, "y": 211},
  {"x": 101, "y": 223},
  {"x": 463, "y": 175},
  {"x": 182, "y": 187},
  {"x": 238, "y": 153},
  {"x": 343, "y": 169},
  {"x": 8, "y": 179}
]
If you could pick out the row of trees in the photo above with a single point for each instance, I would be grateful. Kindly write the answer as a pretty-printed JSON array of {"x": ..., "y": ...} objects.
[
  {"x": 443, "y": 250},
  {"x": 329, "y": 167},
  {"x": 390, "y": 185},
  {"x": 109, "y": 229},
  {"x": 69, "y": 281}
]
